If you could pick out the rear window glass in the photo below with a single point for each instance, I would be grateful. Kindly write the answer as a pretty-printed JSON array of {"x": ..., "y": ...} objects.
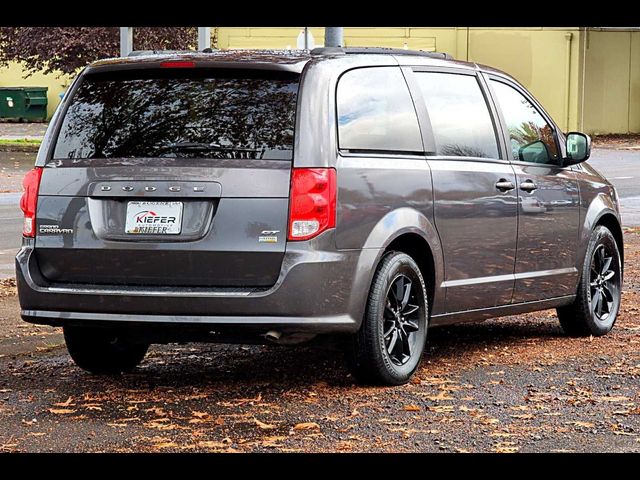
[
  {"x": 181, "y": 113},
  {"x": 376, "y": 113}
]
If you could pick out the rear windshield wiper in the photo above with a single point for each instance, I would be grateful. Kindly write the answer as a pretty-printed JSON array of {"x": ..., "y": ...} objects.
[{"x": 204, "y": 146}]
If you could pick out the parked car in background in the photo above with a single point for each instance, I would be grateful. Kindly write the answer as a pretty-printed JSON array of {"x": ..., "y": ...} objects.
[{"x": 273, "y": 196}]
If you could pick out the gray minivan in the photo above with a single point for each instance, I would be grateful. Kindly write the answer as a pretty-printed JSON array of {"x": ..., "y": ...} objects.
[{"x": 271, "y": 196}]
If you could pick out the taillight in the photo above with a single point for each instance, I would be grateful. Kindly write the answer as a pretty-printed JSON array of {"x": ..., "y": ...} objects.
[
  {"x": 178, "y": 64},
  {"x": 313, "y": 202},
  {"x": 29, "y": 200}
]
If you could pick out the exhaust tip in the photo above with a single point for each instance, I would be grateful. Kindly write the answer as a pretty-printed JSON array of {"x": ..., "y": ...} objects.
[{"x": 273, "y": 335}]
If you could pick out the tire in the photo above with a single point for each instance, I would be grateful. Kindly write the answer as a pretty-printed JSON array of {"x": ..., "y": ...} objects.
[
  {"x": 103, "y": 351},
  {"x": 373, "y": 357},
  {"x": 596, "y": 306}
]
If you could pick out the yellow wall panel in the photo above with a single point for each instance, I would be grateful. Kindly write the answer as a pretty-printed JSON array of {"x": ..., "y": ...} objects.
[
  {"x": 375, "y": 32},
  {"x": 606, "y": 107},
  {"x": 265, "y": 42},
  {"x": 374, "y": 42},
  {"x": 634, "y": 86},
  {"x": 536, "y": 58},
  {"x": 427, "y": 44}
]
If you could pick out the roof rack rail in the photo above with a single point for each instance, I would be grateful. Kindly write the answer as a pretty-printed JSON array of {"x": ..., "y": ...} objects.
[
  {"x": 378, "y": 50},
  {"x": 137, "y": 53}
]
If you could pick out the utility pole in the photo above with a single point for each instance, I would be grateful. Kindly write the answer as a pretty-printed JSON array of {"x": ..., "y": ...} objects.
[
  {"x": 204, "y": 38},
  {"x": 126, "y": 41},
  {"x": 334, "y": 37}
]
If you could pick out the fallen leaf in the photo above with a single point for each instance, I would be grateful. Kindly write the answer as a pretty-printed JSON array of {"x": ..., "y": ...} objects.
[
  {"x": 273, "y": 442},
  {"x": 506, "y": 447},
  {"x": 412, "y": 408},
  {"x": 264, "y": 426},
  {"x": 218, "y": 421},
  {"x": 92, "y": 406},
  {"x": 212, "y": 444},
  {"x": 583, "y": 424},
  {"x": 200, "y": 414},
  {"x": 66, "y": 403},
  {"x": 612, "y": 399},
  {"x": 157, "y": 411},
  {"x": 166, "y": 445},
  {"x": 440, "y": 408},
  {"x": 61, "y": 411},
  {"x": 306, "y": 426},
  {"x": 489, "y": 421},
  {"x": 443, "y": 395}
]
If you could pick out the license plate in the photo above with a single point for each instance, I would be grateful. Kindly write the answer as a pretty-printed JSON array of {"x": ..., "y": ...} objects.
[{"x": 154, "y": 218}]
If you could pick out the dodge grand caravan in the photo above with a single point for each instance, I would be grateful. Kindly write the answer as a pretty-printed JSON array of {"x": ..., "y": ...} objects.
[{"x": 272, "y": 196}]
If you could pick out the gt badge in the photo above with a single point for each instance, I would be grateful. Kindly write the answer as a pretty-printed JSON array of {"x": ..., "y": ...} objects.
[{"x": 269, "y": 236}]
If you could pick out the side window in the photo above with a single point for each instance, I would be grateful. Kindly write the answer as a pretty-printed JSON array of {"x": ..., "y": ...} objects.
[
  {"x": 376, "y": 113},
  {"x": 532, "y": 138},
  {"x": 459, "y": 115}
]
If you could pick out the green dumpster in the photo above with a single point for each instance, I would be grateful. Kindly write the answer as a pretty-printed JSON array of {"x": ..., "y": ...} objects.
[{"x": 23, "y": 103}]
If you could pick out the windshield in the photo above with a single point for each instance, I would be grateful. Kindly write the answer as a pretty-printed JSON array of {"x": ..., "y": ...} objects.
[{"x": 181, "y": 113}]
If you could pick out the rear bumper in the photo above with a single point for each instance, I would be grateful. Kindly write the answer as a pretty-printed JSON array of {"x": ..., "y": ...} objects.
[
  {"x": 319, "y": 290},
  {"x": 333, "y": 324}
]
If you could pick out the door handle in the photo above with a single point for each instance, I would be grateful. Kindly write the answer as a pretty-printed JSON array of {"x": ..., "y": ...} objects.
[
  {"x": 528, "y": 186},
  {"x": 504, "y": 185}
]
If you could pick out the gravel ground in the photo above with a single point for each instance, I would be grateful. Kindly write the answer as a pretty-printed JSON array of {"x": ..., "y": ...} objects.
[
  {"x": 509, "y": 385},
  {"x": 629, "y": 141}
]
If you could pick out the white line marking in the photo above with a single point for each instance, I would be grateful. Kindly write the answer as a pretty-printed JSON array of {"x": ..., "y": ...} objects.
[{"x": 620, "y": 178}]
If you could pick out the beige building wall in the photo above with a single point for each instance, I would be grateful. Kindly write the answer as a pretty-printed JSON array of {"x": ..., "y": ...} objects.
[
  {"x": 13, "y": 76},
  {"x": 545, "y": 60},
  {"x": 612, "y": 81}
]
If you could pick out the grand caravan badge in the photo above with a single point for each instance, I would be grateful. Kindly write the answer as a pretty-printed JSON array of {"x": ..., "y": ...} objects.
[{"x": 54, "y": 229}]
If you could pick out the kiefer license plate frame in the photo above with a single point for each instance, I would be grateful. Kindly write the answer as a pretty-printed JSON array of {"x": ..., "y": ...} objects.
[{"x": 153, "y": 218}]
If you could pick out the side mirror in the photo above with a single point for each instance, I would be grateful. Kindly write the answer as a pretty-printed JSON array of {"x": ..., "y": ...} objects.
[{"x": 578, "y": 148}]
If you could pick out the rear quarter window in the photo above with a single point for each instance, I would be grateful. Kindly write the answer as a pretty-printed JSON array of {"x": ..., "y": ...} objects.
[
  {"x": 202, "y": 113},
  {"x": 376, "y": 113}
]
